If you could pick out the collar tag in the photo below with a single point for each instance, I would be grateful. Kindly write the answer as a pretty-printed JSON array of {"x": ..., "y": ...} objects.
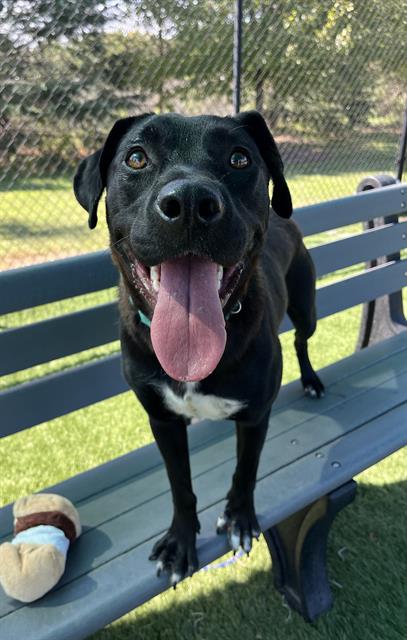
[
  {"x": 236, "y": 309},
  {"x": 142, "y": 316},
  {"x": 143, "y": 319}
]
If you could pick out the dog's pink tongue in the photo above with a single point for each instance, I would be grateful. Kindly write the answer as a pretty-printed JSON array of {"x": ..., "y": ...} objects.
[{"x": 188, "y": 327}]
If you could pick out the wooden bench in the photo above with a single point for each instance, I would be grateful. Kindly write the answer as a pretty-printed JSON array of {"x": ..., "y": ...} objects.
[{"x": 312, "y": 452}]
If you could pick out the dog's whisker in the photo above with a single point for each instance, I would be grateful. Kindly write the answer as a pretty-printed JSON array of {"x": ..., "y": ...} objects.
[
  {"x": 241, "y": 126},
  {"x": 225, "y": 175},
  {"x": 121, "y": 240}
]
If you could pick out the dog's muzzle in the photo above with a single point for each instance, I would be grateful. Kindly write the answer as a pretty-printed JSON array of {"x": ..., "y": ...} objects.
[
  {"x": 187, "y": 295},
  {"x": 189, "y": 289}
]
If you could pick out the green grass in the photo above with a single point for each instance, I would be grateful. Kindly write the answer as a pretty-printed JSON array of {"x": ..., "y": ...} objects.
[
  {"x": 311, "y": 188},
  {"x": 44, "y": 224},
  {"x": 41, "y": 220}
]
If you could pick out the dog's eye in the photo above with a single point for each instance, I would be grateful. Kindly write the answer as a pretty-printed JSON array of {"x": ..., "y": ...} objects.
[
  {"x": 137, "y": 159},
  {"x": 239, "y": 159}
]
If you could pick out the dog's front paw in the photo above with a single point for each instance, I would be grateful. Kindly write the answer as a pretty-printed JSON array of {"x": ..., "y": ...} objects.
[
  {"x": 241, "y": 526},
  {"x": 175, "y": 552},
  {"x": 313, "y": 386}
]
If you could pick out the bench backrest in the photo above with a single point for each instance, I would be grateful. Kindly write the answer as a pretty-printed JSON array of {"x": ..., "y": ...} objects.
[{"x": 29, "y": 403}]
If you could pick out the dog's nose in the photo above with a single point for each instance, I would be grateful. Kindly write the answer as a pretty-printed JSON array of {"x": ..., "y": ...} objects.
[{"x": 183, "y": 200}]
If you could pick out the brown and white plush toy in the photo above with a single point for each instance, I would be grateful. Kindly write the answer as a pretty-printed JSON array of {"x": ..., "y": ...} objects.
[{"x": 45, "y": 524}]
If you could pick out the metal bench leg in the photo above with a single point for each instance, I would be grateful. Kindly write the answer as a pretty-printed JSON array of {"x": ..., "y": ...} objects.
[
  {"x": 383, "y": 317},
  {"x": 298, "y": 549}
]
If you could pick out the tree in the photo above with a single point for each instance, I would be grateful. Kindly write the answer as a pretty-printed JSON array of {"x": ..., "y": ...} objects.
[{"x": 46, "y": 20}]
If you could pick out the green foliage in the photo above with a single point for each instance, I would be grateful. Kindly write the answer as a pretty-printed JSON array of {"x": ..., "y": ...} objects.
[
  {"x": 68, "y": 95},
  {"x": 325, "y": 61},
  {"x": 41, "y": 220},
  {"x": 47, "y": 20}
]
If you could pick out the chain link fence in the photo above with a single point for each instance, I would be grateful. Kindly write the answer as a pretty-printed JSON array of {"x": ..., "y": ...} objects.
[{"x": 329, "y": 77}]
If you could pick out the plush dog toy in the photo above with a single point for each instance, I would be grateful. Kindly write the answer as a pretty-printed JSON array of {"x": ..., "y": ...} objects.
[{"x": 32, "y": 563}]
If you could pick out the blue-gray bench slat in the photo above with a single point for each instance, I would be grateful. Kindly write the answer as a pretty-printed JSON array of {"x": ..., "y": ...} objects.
[
  {"x": 57, "y": 394},
  {"x": 332, "y": 214},
  {"x": 60, "y": 393},
  {"x": 48, "y": 340},
  {"x": 28, "y": 287},
  {"x": 373, "y": 243},
  {"x": 123, "y": 514}
]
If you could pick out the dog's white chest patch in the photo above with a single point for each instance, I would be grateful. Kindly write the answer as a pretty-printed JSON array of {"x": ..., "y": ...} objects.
[{"x": 198, "y": 405}]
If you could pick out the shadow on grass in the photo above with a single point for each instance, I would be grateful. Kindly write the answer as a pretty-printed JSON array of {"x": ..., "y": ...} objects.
[
  {"x": 339, "y": 157},
  {"x": 354, "y": 151},
  {"x": 25, "y": 231},
  {"x": 38, "y": 183},
  {"x": 366, "y": 576}
]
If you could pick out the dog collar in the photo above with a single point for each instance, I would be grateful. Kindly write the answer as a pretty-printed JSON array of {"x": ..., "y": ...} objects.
[
  {"x": 147, "y": 322},
  {"x": 142, "y": 316},
  {"x": 143, "y": 319}
]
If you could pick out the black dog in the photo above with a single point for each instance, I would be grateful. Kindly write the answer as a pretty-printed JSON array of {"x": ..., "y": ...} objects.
[{"x": 203, "y": 257}]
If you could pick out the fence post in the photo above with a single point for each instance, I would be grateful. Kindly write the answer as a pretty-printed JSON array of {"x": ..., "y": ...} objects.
[
  {"x": 237, "y": 55},
  {"x": 403, "y": 146}
]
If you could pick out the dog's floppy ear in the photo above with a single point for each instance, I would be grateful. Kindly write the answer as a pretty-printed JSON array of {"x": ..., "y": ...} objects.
[
  {"x": 88, "y": 186},
  {"x": 90, "y": 177},
  {"x": 259, "y": 131}
]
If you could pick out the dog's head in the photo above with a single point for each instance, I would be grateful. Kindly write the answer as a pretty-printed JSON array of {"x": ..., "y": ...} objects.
[{"x": 187, "y": 207}]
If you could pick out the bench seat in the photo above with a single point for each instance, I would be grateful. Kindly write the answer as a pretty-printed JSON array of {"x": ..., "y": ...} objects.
[{"x": 313, "y": 447}]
